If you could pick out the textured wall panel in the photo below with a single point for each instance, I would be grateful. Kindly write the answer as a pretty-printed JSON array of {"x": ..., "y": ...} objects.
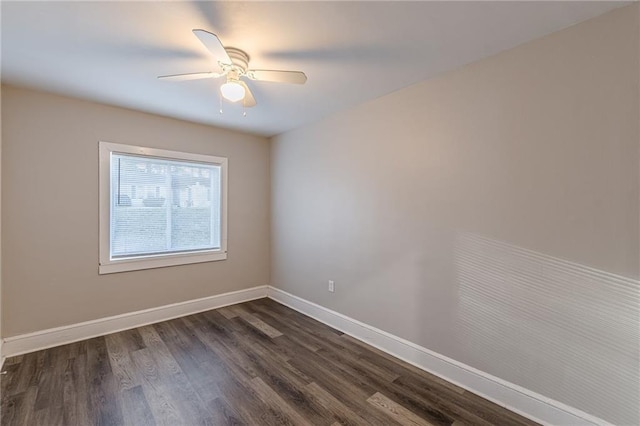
[{"x": 564, "y": 330}]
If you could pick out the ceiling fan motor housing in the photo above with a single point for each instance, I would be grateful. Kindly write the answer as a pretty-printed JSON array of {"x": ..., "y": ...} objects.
[{"x": 239, "y": 59}]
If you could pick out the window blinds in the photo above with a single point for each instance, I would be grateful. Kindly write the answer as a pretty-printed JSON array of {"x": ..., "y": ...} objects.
[{"x": 163, "y": 206}]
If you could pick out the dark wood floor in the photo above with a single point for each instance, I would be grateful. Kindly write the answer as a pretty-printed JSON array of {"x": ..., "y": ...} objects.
[{"x": 258, "y": 363}]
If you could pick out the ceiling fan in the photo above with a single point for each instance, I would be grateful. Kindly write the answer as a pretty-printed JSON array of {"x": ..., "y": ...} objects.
[{"x": 233, "y": 64}]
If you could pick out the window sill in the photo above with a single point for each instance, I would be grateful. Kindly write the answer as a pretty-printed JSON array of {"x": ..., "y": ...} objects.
[{"x": 137, "y": 264}]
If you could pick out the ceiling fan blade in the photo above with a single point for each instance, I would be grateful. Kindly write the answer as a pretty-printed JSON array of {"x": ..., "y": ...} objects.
[
  {"x": 213, "y": 44},
  {"x": 248, "y": 101},
  {"x": 190, "y": 76},
  {"x": 295, "y": 77}
]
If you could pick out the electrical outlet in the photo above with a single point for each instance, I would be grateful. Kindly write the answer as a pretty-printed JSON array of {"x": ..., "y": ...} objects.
[{"x": 332, "y": 286}]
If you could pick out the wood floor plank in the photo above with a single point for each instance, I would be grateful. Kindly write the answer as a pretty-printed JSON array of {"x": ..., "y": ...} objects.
[
  {"x": 312, "y": 338},
  {"x": 352, "y": 368},
  {"x": 464, "y": 407},
  {"x": 268, "y": 363},
  {"x": 201, "y": 366},
  {"x": 246, "y": 403},
  {"x": 261, "y": 325},
  {"x": 373, "y": 383},
  {"x": 236, "y": 385},
  {"x": 352, "y": 363},
  {"x": 285, "y": 379},
  {"x": 11, "y": 377},
  {"x": 122, "y": 367},
  {"x": 425, "y": 408},
  {"x": 43, "y": 417},
  {"x": 172, "y": 379},
  {"x": 23, "y": 377},
  {"x": 131, "y": 340},
  {"x": 297, "y": 318},
  {"x": 331, "y": 346},
  {"x": 334, "y": 347},
  {"x": 276, "y": 403},
  {"x": 103, "y": 406},
  {"x": 395, "y": 365},
  {"x": 77, "y": 349},
  {"x": 340, "y": 386},
  {"x": 70, "y": 396},
  {"x": 13, "y": 360},
  {"x": 17, "y": 409},
  {"x": 38, "y": 368},
  {"x": 298, "y": 338},
  {"x": 223, "y": 414},
  {"x": 396, "y": 411},
  {"x": 258, "y": 339},
  {"x": 256, "y": 363},
  {"x": 357, "y": 365},
  {"x": 135, "y": 407},
  {"x": 52, "y": 367},
  {"x": 76, "y": 405},
  {"x": 343, "y": 415},
  {"x": 229, "y": 312},
  {"x": 436, "y": 393},
  {"x": 162, "y": 406},
  {"x": 226, "y": 345}
]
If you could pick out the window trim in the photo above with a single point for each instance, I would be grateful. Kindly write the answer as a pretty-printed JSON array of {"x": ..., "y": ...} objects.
[{"x": 107, "y": 265}]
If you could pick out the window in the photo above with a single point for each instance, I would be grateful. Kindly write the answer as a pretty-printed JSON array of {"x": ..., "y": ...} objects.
[{"x": 160, "y": 208}]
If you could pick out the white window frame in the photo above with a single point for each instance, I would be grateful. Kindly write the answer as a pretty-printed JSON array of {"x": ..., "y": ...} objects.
[{"x": 107, "y": 265}]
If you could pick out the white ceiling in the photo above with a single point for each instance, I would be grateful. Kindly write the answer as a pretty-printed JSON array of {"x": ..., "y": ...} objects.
[{"x": 352, "y": 52}]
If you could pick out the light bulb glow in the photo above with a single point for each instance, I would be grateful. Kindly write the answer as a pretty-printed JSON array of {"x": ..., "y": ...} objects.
[{"x": 232, "y": 91}]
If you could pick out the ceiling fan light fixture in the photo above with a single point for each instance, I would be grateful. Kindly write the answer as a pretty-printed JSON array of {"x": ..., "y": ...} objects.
[{"x": 232, "y": 91}]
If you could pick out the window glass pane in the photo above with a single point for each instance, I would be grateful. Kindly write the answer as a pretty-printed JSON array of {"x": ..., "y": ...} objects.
[
  {"x": 194, "y": 222},
  {"x": 163, "y": 206}
]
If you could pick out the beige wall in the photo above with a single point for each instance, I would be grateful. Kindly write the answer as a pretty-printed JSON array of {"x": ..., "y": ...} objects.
[
  {"x": 490, "y": 214},
  {"x": 1, "y": 335},
  {"x": 50, "y": 212}
]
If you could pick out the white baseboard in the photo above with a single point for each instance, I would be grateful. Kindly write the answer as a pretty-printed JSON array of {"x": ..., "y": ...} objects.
[
  {"x": 513, "y": 397},
  {"x": 38, "y": 340}
]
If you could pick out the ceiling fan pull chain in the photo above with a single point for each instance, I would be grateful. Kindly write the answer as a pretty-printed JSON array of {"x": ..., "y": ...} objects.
[{"x": 220, "y": 105}]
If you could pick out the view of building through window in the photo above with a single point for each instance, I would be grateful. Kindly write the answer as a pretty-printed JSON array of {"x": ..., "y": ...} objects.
[{"x": 163, "y": 206}]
